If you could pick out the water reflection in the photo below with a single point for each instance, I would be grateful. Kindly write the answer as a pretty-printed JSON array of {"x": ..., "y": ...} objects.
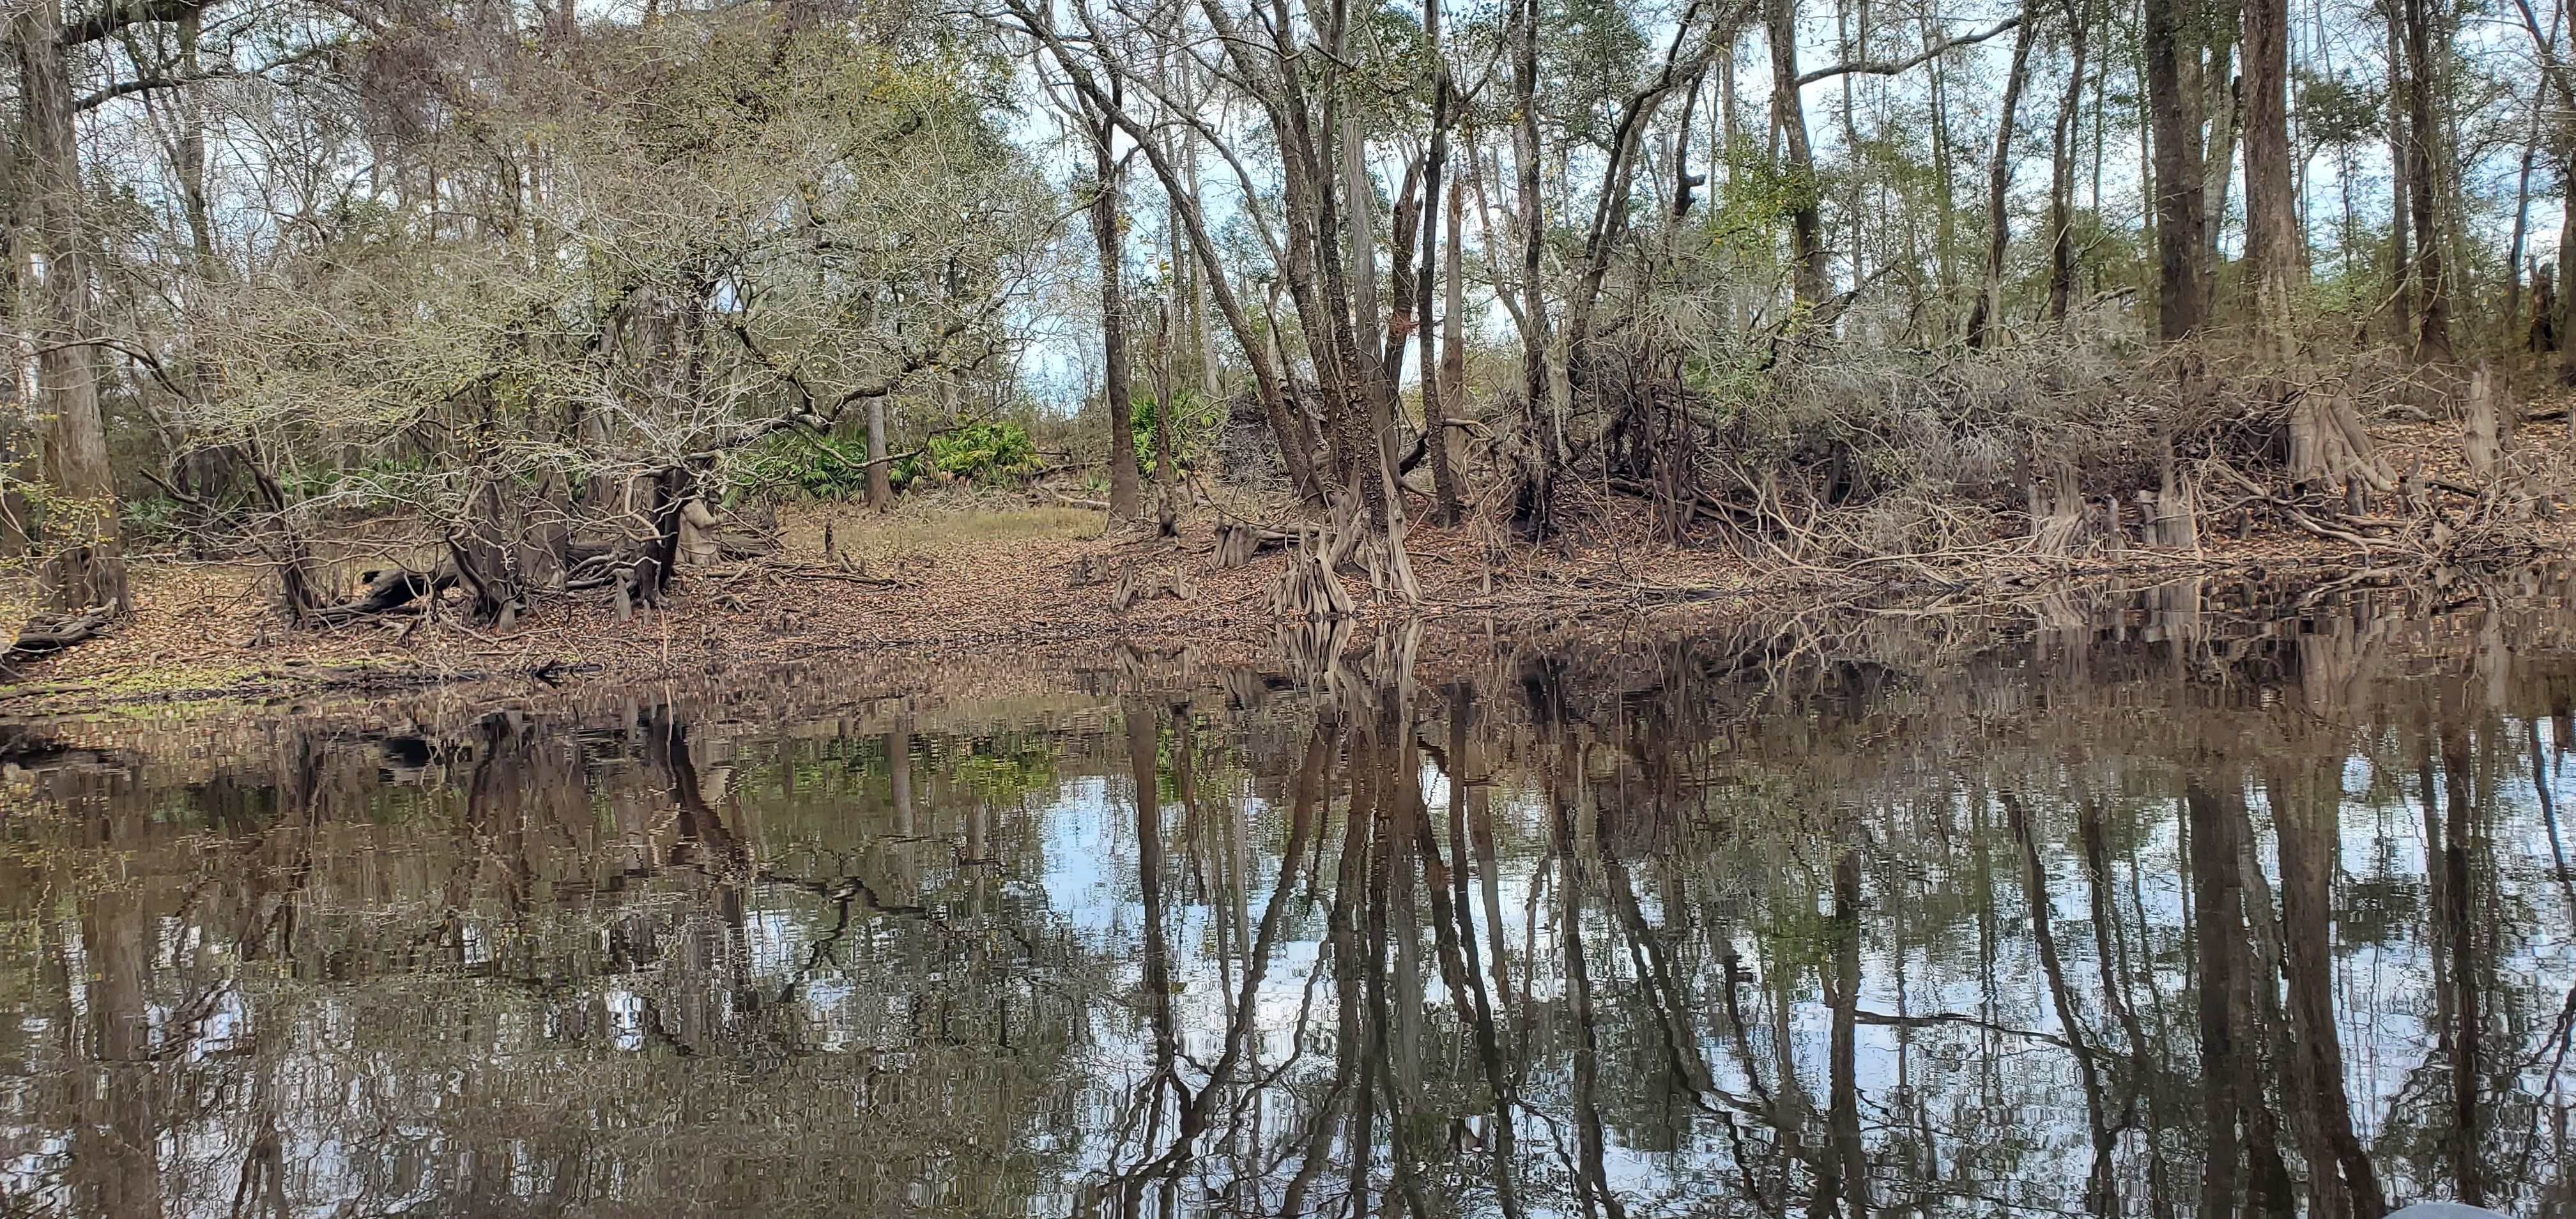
[{"x": 2216, "y": 902}]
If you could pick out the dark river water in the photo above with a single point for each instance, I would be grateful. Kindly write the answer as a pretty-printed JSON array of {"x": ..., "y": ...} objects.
[{"x": 2200, "y": 901}]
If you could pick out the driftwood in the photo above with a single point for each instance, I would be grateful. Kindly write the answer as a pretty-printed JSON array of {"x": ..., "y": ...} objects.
[{"x": 46, "y": 634}]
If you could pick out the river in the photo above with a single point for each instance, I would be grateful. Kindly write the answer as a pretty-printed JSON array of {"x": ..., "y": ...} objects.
[{"x": 2198, "y": 900}]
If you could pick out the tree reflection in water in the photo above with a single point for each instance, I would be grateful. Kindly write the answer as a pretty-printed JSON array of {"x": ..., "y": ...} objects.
[{"x": 2214, "y": 902}]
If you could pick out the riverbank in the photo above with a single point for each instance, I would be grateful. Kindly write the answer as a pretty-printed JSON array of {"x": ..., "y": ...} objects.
[
  {"x": 978, "y": 579},
  {"x": 847, "y": 932}
]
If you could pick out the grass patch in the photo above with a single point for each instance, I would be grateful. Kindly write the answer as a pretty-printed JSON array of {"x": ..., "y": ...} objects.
[{"x": 938, "y": 529}]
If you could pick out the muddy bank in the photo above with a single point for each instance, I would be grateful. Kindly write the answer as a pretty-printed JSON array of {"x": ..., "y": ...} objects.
[{"x": 1034, "y": 588}]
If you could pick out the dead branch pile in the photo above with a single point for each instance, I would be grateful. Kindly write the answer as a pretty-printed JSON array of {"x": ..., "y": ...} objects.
[{"x": 2058, "y": 445}]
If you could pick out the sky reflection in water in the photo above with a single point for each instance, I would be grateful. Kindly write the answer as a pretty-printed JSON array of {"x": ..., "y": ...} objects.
[{"x": 2203, "y": 901}]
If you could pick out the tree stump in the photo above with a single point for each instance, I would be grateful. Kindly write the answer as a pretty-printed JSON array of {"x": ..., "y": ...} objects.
[
  {"x": 2482, "y": 436},
  {"x": 1239, "y": 542}
]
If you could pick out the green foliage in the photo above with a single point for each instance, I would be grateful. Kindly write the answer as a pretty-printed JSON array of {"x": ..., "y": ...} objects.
[
  {"x": 2338, "y": 112},
  {"x": 824, "y": 468},
  {"x": 1195, "y": 424},
  {"x": 815, "y": 465},
  {"x": 1003, "y": 768},
  {"x": 157, "y": 516},
  {"x": 977, "y": 450},
  {"x": 1592, "y": 50},
  {"x": 1755, "y": 198}
]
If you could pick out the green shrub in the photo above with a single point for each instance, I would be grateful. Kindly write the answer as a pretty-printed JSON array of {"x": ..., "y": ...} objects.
[
  {"x": 978, "y": 450},
  {"x": 1195, "y": 423},
  {"x": 815, "y": 465},
  {"x": 824, "y": 468}
]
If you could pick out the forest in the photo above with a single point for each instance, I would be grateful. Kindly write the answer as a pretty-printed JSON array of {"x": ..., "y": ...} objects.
[{"x": 404, "y": 302}]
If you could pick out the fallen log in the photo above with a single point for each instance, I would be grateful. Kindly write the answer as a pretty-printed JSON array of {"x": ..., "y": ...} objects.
[
  {"x": 46, "y": 634},
  {"x": 1047, "y": 494},
  {"x": 386, "y": 590},
  {"x": 736, "y": 545},
  {"x": 816, "y": 571}
]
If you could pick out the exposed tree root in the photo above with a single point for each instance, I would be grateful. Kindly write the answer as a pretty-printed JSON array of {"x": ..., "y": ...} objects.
[
  {"x": 1238, "y": 542},
  {"x": 46, "y": 634}
]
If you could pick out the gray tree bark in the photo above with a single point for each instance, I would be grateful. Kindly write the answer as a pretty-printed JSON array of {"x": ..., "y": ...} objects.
[
  {"x": 87, "y": 564},
  {"x": 2173, "y": 109},
  {"x": 1105, "y": 194}
]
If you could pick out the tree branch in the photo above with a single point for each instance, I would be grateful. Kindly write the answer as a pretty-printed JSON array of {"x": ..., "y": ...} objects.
[
  {"x": 128, "y": 88},
  {"x": 2545, "y": 44},
  {"x": 1886, "y": 68},
  {"x": 820, "y": 418},
  {"x": 113, "y": 17}
]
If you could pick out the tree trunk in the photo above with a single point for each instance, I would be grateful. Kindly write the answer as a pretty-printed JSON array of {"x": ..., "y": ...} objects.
[
  {"x": 189, "y": 153},
  {"x": 1435, "y": 407},
  {"x": 2101, "y": 1183},
  {"x": 1123, "y": 503},
  {"x": 2275, "y": 259},
  {"x": 299, "y": 580},
  {"x": 2456, "y": 919},
  {"x": 1990, "y": 289},
  {"x": 1534, "y": 510},
  {"x": 2061, "y": 186},
  {"x": 2217, "y": 894},
  {"x": 2174, "y": 119},
  {"x": 880, "y": 479},
  {"x": 87, "y": 565},
  {"x": 2542, "y": 336},
  {"x": 1842, "y": 1074},
  {"x": 1287, "y": 417},
  {"x": 1789, "y": 121},
  {"x": 2513, "y": 261},
  {"x": 2342, "y": 1181},
  {"x": 1452, "y": 382},
  {"x": 1374, "y": 475},
  {"x": 115, "y": 1160},
  {"x": 2567, "y": 269},
  {"x": 2433, "y": 335},
  {"x": 1945, "y": 193},
  {"x": 2401, "y": 258},
  {"x": 2222, "y": 119}
]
